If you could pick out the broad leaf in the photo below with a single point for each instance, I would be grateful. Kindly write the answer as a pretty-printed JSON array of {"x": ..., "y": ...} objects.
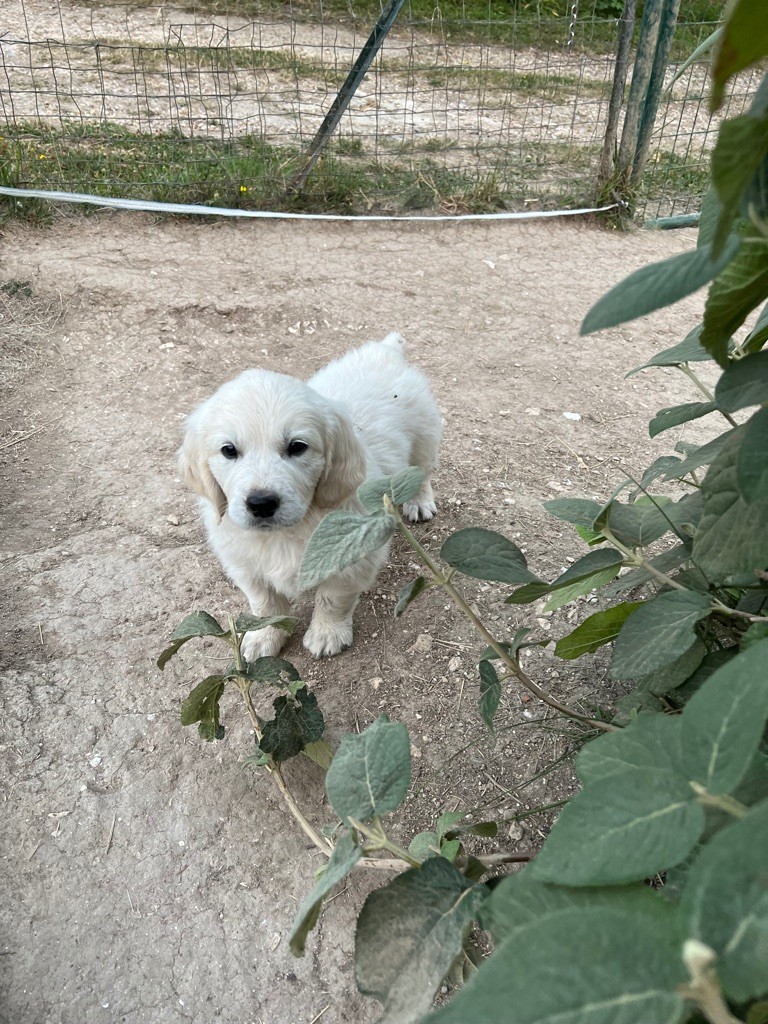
[
  {"x": 724, "y": 721},
  {"x": 657, "y": 633},
  {"x": 490, "y": 692},
  {"x": 519, "y": 901},
  {"x": 409, "y": 933},
  {"x": 758, "y": 336},
  {"x": 346, "y": 853},
  {"x": 757, "y": 631},
  {"x": 743, "y": 42},
  {"x": 658, "y": 285},
  {"x": 424, "y": 845},
  {"x": 269, "y": 670},
  {"x": 649, "y": 519},
  {"x": 725, "y": 903},
  {"x": 677, "y": 672},
  {"x": 586, "y": 574},
  {"x": 621, "y": 828},
  {"x": 576, "y": 511},
  {"x": 370, "y": 773},
  {"x": 202, "y": 705},
  {"x": 563, "y": 594},
  {"x": 736, "y": 291},
  {"x": 600, "y": 628},
  {"x": 341, "y": 539},
  {"x": 197, "y": 624},
  {"x": 739, "y": 150},
  {"x": 298, "y": 720},
  {"x": 409, "y": 593},
  {"x": 586, "y": 965},
  {"x": 732, "y": 535},
  {"x": 400, "y": 488},
  {"x": 744, "y": 383},
  {"x": 677, "y": 414},
  {"x": 244, "y": 623},
  {"x": 650, "y": 741},
  {"x": 690, "y": 350},
  {"x": 752, "y": 460},
  {"x": 486, "y": 555},
  {"x": 699, "y": 456}
]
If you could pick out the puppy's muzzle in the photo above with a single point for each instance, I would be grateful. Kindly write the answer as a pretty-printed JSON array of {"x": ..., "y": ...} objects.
[{"x": 262, "y": 504}]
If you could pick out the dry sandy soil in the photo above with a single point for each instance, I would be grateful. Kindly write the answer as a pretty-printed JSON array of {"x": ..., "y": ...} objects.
[{"x": 149, "y": 876}]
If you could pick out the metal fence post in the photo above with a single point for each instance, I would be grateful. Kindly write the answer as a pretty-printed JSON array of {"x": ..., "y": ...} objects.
[
  {"x": 644, "y": 60},
  {"x": 621, "y": 67},
  {"x": 655, "y": 86},
  {"x": 347, "y": 91}
]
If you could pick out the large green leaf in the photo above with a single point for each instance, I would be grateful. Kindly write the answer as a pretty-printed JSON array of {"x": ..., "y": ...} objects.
[
  {"x": 724, "y": 721},
  {"x": 725, "y": 903},
  {"x": 268, "y": 670},
  {"x": 744, "y": 41},
  {"x": 202, "y": 705},
  {"x": 341, "y": 539},
  {"x": 586, "y": 965},
  {"x": 243, "y": 623},
  {"x": 647, "y": 520},
  {"x": 298, "y": 721},
  {"x": 752, "y": 460},
  {"x": 744, "y": 383},
  {"x": 677, "y": 414},
  {"x": 197, "y": 624},
  {"x": 650, "y": 741},
  {"x": 409, "y": 933},
  {"x": 600, "y": 628},
  {"x": 739, "y": 151},
  {"x": 733, "y": 535},
  {"x": 576, "y": 511},
  {"x": 486, "y": 555},
  {"x": 346, "y": 853},
  {"x": 622, "y": 828},
  {"x": 658, "y": 633},
  {"x": 400, "y": 488},
  {"x": 563, "y": 594},
  {"x": 519, "y": 901},
  {"x": 658, "y": 285},
  {"x": 370, "y": 773},
  {"x": 698, "y": 456},
  {"x": 409, "y": 593},
  {"x": 689, "y": 350},
  {"x": 736, "y": 291}
]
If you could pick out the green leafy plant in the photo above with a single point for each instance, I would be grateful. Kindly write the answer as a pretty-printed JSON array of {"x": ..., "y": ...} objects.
[{"x": 674, "y": 783}]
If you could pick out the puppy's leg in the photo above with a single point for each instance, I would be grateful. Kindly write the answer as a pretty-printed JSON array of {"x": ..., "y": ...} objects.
[
  {"x": 331, "y": 628},
  {"x": 265, "y": 643},
  {"x": 424, "y": 455}
]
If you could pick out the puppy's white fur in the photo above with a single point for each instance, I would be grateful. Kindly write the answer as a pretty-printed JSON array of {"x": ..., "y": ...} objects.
[{"x": 366, "y": 415}]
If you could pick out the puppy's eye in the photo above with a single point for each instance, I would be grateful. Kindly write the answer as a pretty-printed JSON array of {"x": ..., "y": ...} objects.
[
  {"x": 229, "y": 451},
  {"x": 297, "y": 447}
]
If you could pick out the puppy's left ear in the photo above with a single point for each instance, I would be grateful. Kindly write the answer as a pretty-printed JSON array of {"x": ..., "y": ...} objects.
[{"x": 344, "y": 461}]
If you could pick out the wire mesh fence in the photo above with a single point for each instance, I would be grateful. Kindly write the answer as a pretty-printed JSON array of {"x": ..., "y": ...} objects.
[{"x": 465, "y": 110}]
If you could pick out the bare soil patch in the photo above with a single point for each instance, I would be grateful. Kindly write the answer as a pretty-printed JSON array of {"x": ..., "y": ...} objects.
[{"x": 150, "y": 877}]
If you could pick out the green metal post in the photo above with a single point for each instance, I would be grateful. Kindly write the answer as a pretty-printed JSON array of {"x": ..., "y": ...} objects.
[
  {"x": 644, "y": 58},
  {"x": 655, "y": 86}
]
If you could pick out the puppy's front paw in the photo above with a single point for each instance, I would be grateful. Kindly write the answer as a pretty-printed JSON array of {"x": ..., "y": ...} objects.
[
  {"x": 330, "y": 638},
  {"x": 263, "y": 643},
  {"x": 419, "y": 511}
]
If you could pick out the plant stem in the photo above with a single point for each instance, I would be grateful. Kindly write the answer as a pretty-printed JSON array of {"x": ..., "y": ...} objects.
[
  {"x": 704, "y": 986},
  {"x": 274, "y": 770},
  {"x": 685, "y": 368},
  {"x": 725, "y": 610},
  {"x": 442, "y": 580},
  {"x": 722, "y": 802},
  {"x": 381, "y": 841}
]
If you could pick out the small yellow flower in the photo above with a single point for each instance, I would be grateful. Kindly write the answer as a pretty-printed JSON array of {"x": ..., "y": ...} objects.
[
  {"x": 41, "y": 156},
  {"x": 243, "y": 188}
]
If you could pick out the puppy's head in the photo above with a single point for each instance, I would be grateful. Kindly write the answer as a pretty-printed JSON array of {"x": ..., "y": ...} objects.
[{"x": 266, "y": 448}]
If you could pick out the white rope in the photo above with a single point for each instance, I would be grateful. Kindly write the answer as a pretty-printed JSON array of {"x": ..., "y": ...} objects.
[{"x": 220, "y": 211}]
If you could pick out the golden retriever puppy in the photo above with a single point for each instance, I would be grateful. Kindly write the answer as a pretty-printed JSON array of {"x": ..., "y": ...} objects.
[{"x": 270, "y": 456}]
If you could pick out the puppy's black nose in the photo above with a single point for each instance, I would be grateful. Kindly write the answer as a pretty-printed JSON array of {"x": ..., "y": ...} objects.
[{"x": 263, "y": 504}]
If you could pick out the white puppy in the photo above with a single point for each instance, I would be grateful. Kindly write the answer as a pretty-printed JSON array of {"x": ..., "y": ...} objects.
[{"x": 270, "y": 456}]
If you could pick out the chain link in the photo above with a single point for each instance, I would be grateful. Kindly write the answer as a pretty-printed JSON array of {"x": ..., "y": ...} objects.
[{"x": 572, "y": 26}]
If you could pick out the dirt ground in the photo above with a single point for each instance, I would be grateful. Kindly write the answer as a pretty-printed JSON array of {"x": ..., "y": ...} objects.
[{"x": 150, "y": 878}]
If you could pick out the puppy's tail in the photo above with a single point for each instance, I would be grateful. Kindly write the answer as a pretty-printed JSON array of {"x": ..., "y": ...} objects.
[{"x": 395, "y": 342}]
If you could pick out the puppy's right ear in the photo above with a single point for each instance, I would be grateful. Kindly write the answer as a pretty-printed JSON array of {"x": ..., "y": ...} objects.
[{"x": 194, "y": 470}]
